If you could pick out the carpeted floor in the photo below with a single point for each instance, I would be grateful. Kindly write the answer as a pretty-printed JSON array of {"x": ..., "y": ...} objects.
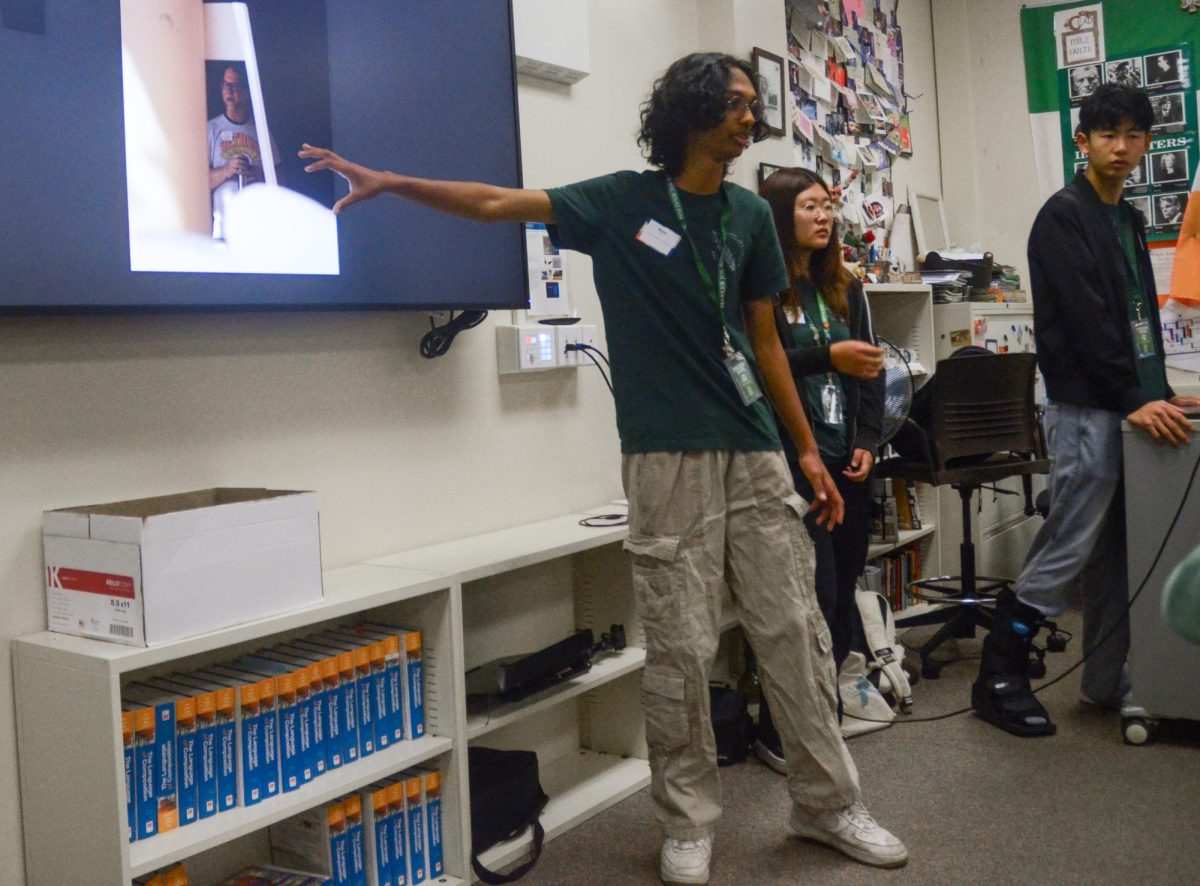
[{"x": 973, "y": 804}]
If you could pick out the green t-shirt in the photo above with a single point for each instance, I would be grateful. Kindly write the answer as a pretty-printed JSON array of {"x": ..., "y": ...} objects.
[
  {"x": 1151, "y": 371},
  {"x": 672, "y": 389},
  {"x": 809, "y": 332}
]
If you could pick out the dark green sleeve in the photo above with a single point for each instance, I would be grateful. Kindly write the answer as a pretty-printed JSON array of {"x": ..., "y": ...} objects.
[
  {"x": 582, "y": 209},
  {"x": 766, "y": 272}
]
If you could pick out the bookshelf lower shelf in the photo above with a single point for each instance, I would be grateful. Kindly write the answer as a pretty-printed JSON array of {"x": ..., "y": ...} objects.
[
  {"x": 579, "y": 786},
  {"x": 607, "y": 668},
  {"x": 905, "y": 536},
  {"x": 164, "y": 849}
]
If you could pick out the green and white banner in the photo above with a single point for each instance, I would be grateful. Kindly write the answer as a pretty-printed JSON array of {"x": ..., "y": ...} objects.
[{"x": 1071, "y": 48}]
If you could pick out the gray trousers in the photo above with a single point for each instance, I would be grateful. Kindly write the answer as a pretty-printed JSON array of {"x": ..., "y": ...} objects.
[
  {"x": 1082, "y": 542},
  {"x": 697, "y": 519}
]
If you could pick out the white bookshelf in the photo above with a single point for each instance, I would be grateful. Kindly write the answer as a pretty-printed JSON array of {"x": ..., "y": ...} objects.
[
  {"x": 68, "y": 693},
  {"x": 903, "y": 313}
]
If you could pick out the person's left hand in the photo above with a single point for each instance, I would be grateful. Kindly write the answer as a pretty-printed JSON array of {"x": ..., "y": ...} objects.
[
  {"x": 827, "y": 501},
  {"x": 1185, "y": 402},
  {"x": 860, "y": 465}
]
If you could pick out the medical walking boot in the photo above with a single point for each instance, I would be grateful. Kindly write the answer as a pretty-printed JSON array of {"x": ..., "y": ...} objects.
[{"x": 1002, "y": 695}]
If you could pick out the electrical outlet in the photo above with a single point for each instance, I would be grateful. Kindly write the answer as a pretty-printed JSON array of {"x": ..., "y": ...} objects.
[
  {"x": 525, "y": 348},
  {"x": 568, "y": 335}
]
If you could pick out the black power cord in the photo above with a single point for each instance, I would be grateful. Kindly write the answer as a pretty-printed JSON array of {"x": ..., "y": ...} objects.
[
  {"x": 1124, "y": 616},
  {"x": 587, "y": 350},
  {"x": 438, "y": 339}
]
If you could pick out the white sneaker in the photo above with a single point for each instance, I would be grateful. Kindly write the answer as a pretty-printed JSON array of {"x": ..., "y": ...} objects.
[
  {"x": 685, "y": 861},
  {"x": 851, "y": 831}
]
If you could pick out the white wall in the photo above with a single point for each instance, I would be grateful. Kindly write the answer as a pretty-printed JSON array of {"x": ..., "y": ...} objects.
[
  {"x": 402, "y": 451},
  {"x": 991, "y": 190}
]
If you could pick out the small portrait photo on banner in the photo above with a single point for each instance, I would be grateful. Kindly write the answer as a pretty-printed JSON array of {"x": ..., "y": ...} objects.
[
  {"x": 1126, "y": 71},
  {"x": 1169, "y": 167},
  {"x": 1168, "y": 209},
  {"x": 1141, "y": 208},
  {"x": 1082, "y": 80},
  {"x": 1164, "y": 69},
  {"x": 1168, "y": 112},
  {"x": 1137, "y": 178}
]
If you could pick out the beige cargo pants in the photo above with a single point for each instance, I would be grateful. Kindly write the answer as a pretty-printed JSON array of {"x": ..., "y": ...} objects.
[{"x": 696, "y": 518}]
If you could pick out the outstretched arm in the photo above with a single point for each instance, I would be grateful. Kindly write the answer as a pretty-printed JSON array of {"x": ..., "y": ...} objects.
[{"x": 473, "y": 200}]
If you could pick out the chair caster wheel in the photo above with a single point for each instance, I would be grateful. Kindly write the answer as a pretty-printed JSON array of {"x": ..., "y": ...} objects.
[
  {"x": 930, "y": 670},
  {"x": 914, "y": 676},
  {"x": 1056, "y": 642},
  {"x": 1137, "y": 730},
  {"x": 1037, "y": 669}
]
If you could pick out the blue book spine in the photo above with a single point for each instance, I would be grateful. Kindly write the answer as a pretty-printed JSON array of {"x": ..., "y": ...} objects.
[
  {"x": 416, "y": 697},
  {"x": 339, "y": 851},
  {"x": 366, "y": 725},
  {"x": 394, "y": 678},
  {"x": 383, "y": 850},
  {"x": 187, "y": 752},
  {"x": 416, "y": 845},
  {"x": 398, "y": 821},
  {"x": 252, "y": 775},
  {"x": 270, "y": 750},
  {"x": 130, "y": 802},
  {"x": 358, "y": 855},
  {"x": 227, "y": 786},
  {"x": 350, "y": 743},
  {"x": 206, "y": 766},
  {"x": 317, "y": 699},
  {"x": 380, "y": 709},
  {"x": 433, "y": 831},
  {"x": 145, "y": 767},
  {"x": 308, "y": 759}
]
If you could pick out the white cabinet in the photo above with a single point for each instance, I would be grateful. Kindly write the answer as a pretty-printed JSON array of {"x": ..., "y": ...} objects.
[{"x": 473, "y": 600}]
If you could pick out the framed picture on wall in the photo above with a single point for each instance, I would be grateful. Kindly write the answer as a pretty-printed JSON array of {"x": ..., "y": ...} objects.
[
  {"x": 769, "y": 68},
  {"x": 765, "y": 170}
]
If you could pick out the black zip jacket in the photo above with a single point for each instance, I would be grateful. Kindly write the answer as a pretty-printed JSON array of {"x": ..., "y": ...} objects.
[
  {"x": 864, "y": 399},
  {"x": 1085, "y": 346}
]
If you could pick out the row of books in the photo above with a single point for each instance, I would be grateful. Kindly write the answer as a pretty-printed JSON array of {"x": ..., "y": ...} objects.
[
  {"x": 175, "y": 875},
  {"x": 895, "y": 508},
  {"x": 891, "y": 574},
  {"x": 202, "y": 742},
  {"x": 387, "y": 834}
]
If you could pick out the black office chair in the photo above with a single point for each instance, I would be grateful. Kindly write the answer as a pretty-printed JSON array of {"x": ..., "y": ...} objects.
[{"x": 983, "y": 426}]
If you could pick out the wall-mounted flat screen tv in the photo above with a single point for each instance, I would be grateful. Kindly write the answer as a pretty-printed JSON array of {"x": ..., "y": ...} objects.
[{"x": 151, "y": 153}]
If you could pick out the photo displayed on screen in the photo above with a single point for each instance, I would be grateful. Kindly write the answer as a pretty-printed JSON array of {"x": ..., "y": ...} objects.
[{"x": 215, "y": 112}]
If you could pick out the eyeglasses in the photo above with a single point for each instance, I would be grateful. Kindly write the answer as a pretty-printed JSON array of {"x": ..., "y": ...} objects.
[
  {"x": 226, "y": 86},
  {"x": 737, "y": 105},
  {"x": 811, "y": 207}
]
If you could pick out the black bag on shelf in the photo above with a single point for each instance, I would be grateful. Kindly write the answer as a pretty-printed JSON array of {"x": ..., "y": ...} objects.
[
  {"x": 506, "y": 798},
  {"x": 732, "y": 725}
]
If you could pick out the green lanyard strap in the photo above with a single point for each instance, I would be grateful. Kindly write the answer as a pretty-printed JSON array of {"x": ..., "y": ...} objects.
[
  {"x": 715, "y": 293},
  {"x": 824, "y": 312}
]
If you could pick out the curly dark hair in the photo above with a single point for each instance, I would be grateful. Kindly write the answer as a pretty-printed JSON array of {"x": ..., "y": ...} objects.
[
  {"x": 1113, "y": 103},
  {"x": 689, "y": 97},
  {"x": 825, "y": 267}
]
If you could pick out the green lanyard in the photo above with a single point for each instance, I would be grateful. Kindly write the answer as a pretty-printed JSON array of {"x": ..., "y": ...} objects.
[
  {"x": 824, "y": 325},
  {"x": 715, "y": 293}
]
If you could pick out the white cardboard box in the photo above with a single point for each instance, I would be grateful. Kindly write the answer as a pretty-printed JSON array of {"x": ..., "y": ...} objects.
[{"x": 154, "y": 570}]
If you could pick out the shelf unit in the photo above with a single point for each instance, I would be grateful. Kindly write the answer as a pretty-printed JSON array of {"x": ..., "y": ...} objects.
[
  {"x": 903, "y": 313},
  {"x": 464, "y": 596}
]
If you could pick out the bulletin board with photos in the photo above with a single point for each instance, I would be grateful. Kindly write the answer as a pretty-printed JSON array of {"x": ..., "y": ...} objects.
[
  {"x": 849, "y": 111},
  {"x": 1158, "y": 186}
]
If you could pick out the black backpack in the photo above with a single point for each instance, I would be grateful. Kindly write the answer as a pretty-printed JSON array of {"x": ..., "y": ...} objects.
[
  {"x": 732, "y": 725},
  {"x": 506, "y": 798}
]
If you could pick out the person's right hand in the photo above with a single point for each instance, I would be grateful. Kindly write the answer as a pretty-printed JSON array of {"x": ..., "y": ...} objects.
[
  {"x": 1163, "y": 421},
  {"x": 857, "y": 358},
  {"x": 364, "y": 183},
  {"x": 827, "y": 501},
  {"x": 239, "y": 164}
]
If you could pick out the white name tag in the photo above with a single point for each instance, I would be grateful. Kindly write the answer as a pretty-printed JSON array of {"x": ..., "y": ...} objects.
[{"x": 658, "y": 237}]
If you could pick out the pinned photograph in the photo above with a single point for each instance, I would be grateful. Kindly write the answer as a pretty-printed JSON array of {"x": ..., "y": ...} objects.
[
  {"x": 1137, "y": 177},
  {"x": 875, "y": 210},
  {"x": 1126, "y": 71},
  {"x": 1168, "y": 209},
  {"x": 1082, "y": 80},
  {"x": 1168, "y": 112},
  {"x": 1169, "y": 167},
  {"x": 1164, "y": 69},
  {"x": 1141, "y": 208}
]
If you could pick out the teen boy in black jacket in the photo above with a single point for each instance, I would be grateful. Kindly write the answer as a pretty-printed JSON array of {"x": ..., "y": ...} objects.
[{"x": 1100, "y": 350}]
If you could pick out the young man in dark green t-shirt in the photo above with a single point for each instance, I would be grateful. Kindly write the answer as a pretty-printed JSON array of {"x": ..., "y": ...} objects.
[{"x": 686, "y": 266}]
